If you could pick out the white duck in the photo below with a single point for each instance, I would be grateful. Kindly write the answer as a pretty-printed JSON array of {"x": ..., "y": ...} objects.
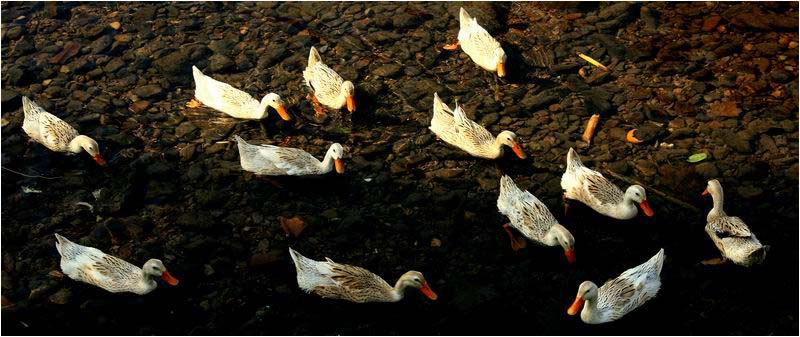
[
  {"x": 621, "y": 295},
  {"x": 591, "y": 188},
  {"x": 730, "y": 234},
  {"x": 532, "y": 218},
  {"x": 55, "y": 134},
  {"x": 355, "y": 284},
  {"x": 90, "y": 265},
  {"x": 275, "y": 160},
  {"x": 481, "y": 47},
  {"x": 234, "y": 102},
  {"x": 453, "y": 127},
  {"x": 328, "y": 88}
]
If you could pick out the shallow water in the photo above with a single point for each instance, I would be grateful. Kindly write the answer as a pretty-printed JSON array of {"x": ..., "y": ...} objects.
[{"x": 173, "y": 188}]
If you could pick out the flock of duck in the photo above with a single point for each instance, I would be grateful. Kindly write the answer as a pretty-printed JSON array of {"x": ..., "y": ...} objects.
[{"x": 526, "y": 214}]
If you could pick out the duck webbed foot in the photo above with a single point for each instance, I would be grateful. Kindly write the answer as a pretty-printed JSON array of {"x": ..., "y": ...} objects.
[
  {"x": 452, "y": 46},
  {"x": 566, "y": 204},
  {"x": 319, "y": 110},
  {"x": 517, "y": 243},
  {"x": 194, "y": 103},
  {"x": 714, "y": 262}
]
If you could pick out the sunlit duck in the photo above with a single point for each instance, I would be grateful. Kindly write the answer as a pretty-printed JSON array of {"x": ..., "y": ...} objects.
[
  {"x": 621, "y": 295},
  {"x": 223, "y": 97},
  {"x": 327, "y": 86},
  {"x": 90, "y": 265},
  {"x": 55, "y": 134},
  {"x": 453, "y": 127},
  {"x": 275, "y": 160},
  {"x": 479, "y": 45},
  {"x": 730, "y": 234},
  {"x": 591, "y": 188},
  {"x": 355, "y": 284},
  {"x": 532, "y": 218}
]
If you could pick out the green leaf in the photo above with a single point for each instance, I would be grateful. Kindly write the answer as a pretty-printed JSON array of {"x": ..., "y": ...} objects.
[{"x": 697, "y": 157}]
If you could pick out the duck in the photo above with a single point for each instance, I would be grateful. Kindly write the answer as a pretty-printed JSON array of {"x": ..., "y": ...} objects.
[
  {"x": 481, "y": 47},
  {"x": 621, "y": 295},
  {"x": 532, "y": 218},
  {"x": 223, "y": 97},
  {"x": 327, "y": 87},
  {"x": 333, "y": 280},
  {"x": 593, "y": 189},
  {"x": 55, "y": 134},
  {"x": 454, "y": 128},
  {"x": 275, "y": 160},
  {"x": 730, "y": 234},
  {"x": 92, "y": 266}
]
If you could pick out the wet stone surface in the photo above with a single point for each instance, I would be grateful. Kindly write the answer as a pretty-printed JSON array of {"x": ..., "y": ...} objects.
[{"x": 717, "y": 78}]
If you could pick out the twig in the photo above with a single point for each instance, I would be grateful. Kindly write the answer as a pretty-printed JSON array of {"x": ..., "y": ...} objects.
[
  {"x": 648, "y": 188},
  {"x": 28, "y": 175}
]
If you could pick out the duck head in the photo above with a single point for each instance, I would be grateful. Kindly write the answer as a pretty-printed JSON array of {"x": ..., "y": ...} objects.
[
  {"x": 509, "y": 139},
  {"x": 155, "y": 268},
  {"x": 87, "y": 144},
  {"x": 637, "y": 194},
  {"x": 349, "y": 92},
  {"x": 274, "y": 101},
  {"x": 500, "y": 60},
  {"x": 414, "y": 279}
]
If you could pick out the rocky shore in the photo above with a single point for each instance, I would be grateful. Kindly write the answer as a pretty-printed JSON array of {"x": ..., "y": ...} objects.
[{"x": 701, "y": 77}]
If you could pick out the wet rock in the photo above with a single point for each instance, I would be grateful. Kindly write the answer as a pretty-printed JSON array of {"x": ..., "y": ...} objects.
[
  {"x": 707, "y": 170},
  {"x": 749, "y": 192},
  {"x": 218, "y": 63},
  {"x": 177, "y": 66},
  {"x": 264, "y": 259},
  {"x": 148, "y": 91},
  {"x": 725, "y": 109},
  {"x": 61, "y": 297},
  {"x": 15, "y": 32},
  {"x": 614, "y": 10},
  {"x": 140, "y": 106},
  {"x": 114, "y": 65},
  {"x": 738, "y": 141},
  {"x": 711, "y": 22},
  {"x": 388, "y": 70},
  {"x": 101, "y": 44},
  {"x": 185, "y": 129},
  {"x": 645, "y": 167}
]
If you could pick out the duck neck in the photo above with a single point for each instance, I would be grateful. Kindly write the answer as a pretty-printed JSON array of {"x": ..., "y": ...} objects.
[
  {"x": 327, "y": 163},
  {"x": 497, "y": 149},
  {"x": 717, "y": 211},
  {"x": 76, "y": 144},
  {"x": 262, "y": 109},
  {"x": 146, "y": 283},
  {"x": 552, "y": 236},
  {"x": 399, "y": 290},
  {"x": 589, "y": 313}
]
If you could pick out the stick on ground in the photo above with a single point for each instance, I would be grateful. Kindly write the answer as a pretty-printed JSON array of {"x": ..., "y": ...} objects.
[{"x": 651, "y": 189}]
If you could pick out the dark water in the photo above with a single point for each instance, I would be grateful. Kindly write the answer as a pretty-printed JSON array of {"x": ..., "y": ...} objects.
[{"x": 217, "y": 230}]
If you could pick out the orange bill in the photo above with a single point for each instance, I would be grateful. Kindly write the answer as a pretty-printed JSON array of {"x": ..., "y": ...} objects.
[
  {"x": 570, "y": 253},
  {"x": 282, "y": 111},
  {"x": 99, "y": 159},
  {"x": 631, "y": 139},
  {"x": 426, "y": 290},
  {"x": 351, "y": 103},
  {"x": 501, "y": 69},
  {"x": 518, "y": 151},
  {"x": 575, "y": 307},
  {"x": 169, "y": 279},
  {"x": 705, "y": 192},
  {"x": 339, "y": 165},
  {"x": 646, "y": 208}
]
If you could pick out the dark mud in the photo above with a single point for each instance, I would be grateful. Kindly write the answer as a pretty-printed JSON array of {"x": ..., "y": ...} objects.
[{"x": 719, "y": 78}]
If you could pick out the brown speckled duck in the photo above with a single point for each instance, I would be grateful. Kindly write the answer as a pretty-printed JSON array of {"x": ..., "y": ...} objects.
[
  {"x": 730, "y": 234},
  {"x": 355, "y": 284}
]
